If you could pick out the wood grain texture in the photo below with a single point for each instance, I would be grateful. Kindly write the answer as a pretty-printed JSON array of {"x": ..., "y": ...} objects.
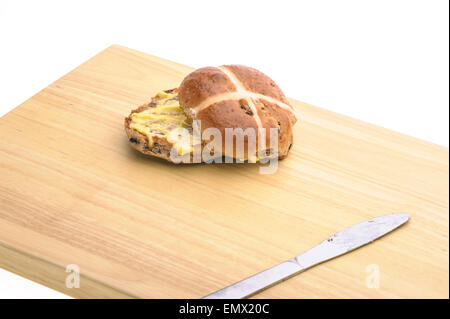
[{"x": 72, "y": 191}]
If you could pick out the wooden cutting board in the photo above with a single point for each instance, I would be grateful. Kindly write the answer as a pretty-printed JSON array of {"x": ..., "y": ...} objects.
[{"x": 72, "y": 191}]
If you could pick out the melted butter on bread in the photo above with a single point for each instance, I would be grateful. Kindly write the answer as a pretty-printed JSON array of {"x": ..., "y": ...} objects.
[{"x": 165, "y": 119}]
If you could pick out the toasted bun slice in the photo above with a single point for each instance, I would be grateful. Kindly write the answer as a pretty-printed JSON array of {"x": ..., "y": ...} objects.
[
  {"x": 152, "y": 128},
  {"x": 236, "y": 96}
]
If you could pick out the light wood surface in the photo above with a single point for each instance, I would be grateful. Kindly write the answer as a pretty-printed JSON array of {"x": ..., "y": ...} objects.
[{"x": 72, "y": 191}]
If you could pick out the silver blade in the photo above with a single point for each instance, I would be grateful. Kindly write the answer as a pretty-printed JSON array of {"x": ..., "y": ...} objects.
[{"x": 334, "y": 246}]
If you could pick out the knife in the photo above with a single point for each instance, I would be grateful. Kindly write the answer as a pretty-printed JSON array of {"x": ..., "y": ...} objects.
[{"x": 347, "y": 240}]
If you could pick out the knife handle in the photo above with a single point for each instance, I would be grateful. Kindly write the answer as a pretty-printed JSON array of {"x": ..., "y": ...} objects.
[{"x": 258, "y": 282}]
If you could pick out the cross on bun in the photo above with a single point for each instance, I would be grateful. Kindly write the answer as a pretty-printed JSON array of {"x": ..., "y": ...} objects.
[{"x": 237, "y": 96}]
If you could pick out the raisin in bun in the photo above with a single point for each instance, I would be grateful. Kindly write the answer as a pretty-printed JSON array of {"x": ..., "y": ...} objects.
[{"x": 236, "y": 96}]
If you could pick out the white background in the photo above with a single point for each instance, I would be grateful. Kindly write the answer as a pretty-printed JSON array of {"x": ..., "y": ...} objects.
[{"x": 384, "y": 62}]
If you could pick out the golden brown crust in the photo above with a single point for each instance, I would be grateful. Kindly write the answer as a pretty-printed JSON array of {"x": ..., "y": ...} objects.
[
  {"x": 283, "y": 121},
  {"x": 256, "y": 81},
  {"x": 263, "y": 104},
  {"x": 232, "y": 116},
  {"x": 201, "y": 84}
]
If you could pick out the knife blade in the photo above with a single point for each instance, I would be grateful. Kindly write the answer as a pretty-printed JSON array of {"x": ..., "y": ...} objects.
[{"x": 336, "y": 245}]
